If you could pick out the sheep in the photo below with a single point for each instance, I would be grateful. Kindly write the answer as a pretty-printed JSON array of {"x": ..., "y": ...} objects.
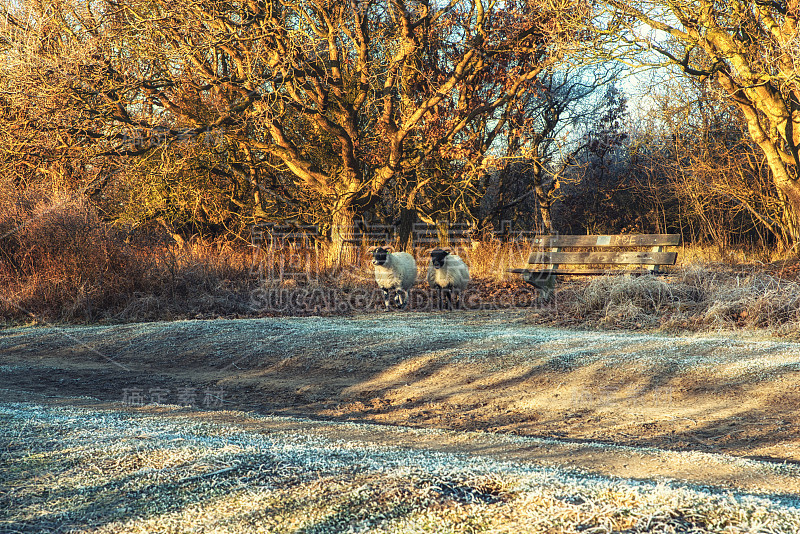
[
  {"x": 394, "y": 271},
  {"x": 447, "y": 272}
]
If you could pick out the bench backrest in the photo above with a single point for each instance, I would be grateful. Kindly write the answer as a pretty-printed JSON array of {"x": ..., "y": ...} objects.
[{"x": 630, "y": 240}]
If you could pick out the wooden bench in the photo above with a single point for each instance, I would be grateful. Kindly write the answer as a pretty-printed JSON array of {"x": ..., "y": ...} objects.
[{"x": 613, "y": 252}]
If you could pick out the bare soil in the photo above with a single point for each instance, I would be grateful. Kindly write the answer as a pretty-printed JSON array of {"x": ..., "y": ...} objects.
[{"x": 727, "y": 393}]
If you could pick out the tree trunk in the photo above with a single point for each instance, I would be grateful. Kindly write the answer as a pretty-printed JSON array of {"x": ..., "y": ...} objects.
[
  {"x": 789, "y": 224},
  {"x": 342, "y": 251},
  {"x": 443, "y": 232},
  {"x": 544, "y": 204},
  {"x": 787, "y": 186},
  {"x": 405, "y": 230},
  {"x": 259, "y": 214}
]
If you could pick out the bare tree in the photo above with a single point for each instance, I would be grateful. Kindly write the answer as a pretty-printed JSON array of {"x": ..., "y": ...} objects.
[
  {"x": 544, "y": 139},
  {"x": 699, "y": 161},
  {"x": 749, "y": 50},
  {"x": 310, "y": 107},
  {"x": 596, "y": 173}
]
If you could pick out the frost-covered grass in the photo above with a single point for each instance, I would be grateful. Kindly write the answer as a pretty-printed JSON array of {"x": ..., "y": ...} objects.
[
  {"x": 470, "y": 335},
  {"x": 80, "y": 470},
  {"x": 694, "y": 298}
]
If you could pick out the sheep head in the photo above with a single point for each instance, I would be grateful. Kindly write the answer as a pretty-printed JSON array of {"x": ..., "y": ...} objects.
[
  {"x": 438, "y": 256},
  {"x": 380, "y": 255}
]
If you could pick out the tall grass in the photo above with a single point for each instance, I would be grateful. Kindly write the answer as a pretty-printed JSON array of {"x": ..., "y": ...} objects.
[
  {"x": 492, "y": 259},
  {"x": 59, "y": 261}
]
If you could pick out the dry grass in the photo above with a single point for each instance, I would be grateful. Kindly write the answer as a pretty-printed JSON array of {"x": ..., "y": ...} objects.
[
  {"x": 77, "y": 470},
  {"x": 59, "y": 261},
  {"x": 491, "y": 260},
  {"x": 694, "y": 298},
  {"x": 62, "y": 262}
]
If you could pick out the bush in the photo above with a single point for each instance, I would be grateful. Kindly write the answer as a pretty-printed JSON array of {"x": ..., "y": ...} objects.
[{"x": 61, "y": 261}]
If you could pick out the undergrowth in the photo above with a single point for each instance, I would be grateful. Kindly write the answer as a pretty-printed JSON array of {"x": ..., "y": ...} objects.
[
  {"x": 694, "y": 298},
  {"x": 60, "y": 261}
]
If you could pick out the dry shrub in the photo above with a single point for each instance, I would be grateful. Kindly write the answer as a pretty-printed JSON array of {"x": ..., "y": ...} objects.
[
  {"x": 758, "y": 300},
  {"x": 624, "y": 300},
  {"x": 15, "y": 210},
  {"x": 61, "y": 260},
  {"x": 194, "y": 279},
  {"x": 693, "y": 299}
]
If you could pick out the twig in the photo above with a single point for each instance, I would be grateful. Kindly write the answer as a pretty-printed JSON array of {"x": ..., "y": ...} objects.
[{"x": 208, "y": 475}]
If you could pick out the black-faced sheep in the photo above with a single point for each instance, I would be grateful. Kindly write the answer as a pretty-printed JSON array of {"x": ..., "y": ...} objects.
[
  {"x": 449, "y": 274},
  {"x": 394, "y": 272}
]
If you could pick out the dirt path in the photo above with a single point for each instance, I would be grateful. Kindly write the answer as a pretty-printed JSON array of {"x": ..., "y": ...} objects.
[{"x": 724, "y": 395}]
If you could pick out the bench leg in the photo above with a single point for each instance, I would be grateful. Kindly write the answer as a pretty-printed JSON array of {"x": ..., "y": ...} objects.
[{"x": 545, "y": 284}]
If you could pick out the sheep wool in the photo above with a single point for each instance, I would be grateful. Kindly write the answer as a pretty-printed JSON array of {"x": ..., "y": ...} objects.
[
  {"x": 449, "y": 274},
  {"x": 395, "y": 272}
]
